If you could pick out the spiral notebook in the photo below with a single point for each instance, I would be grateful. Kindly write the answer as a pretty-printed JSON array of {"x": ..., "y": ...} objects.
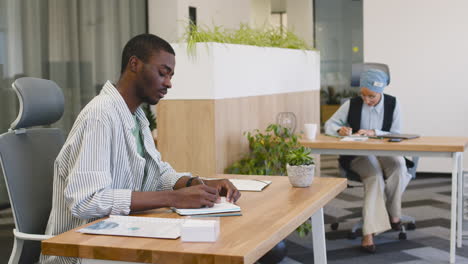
[
  {"x": 222, "y": 207},
  {"x": 250, "y": 184},
  {"x": 117, "y": 225}
]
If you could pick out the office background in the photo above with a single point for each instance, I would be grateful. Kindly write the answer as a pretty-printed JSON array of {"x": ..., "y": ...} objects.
[{"x": 78, "y": 45}]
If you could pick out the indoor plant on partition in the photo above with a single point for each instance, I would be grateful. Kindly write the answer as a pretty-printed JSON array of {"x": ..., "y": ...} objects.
[{"x": 269, "y": 154}]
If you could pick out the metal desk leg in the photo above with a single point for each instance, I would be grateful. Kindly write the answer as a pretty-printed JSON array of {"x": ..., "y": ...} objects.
[
  {"x": 318, "y": 237},
  {"x": 454, "y": 208},
  {"x": 460, "y": 199}
]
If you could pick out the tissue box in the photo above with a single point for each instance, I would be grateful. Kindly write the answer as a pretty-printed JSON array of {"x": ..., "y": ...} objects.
[{"x": 195, "y": 230}]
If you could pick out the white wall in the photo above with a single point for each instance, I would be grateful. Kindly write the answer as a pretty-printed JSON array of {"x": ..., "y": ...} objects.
[
  {"x": 168, "y": 19},
  {"x": 425, "y": 43},
  {"x": 300, "y": 19},
  {"x": 162, "y": 16},
  {"x": 260, "y": 13}
]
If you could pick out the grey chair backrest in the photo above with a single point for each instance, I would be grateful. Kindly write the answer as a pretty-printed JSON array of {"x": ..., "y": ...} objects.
[
  {"x": 27, "y": 154},
  {"x": 358, "y": 68}
]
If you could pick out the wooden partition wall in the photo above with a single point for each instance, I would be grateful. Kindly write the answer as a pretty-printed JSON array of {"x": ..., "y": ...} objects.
[{"x": 206, "y": 136}]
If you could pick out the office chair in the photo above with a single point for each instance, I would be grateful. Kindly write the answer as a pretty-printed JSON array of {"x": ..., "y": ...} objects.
[
  {"x": 27, "y": 158},
  {"x": 412, "y": 164}
]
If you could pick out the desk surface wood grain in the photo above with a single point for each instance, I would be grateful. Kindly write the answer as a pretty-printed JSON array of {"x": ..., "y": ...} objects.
[
  {"x": 432, "y": 144},
  {"x": 267, "y": 218}
]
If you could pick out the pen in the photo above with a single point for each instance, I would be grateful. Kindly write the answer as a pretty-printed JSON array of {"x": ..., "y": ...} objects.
[
  {"x": 201, "y": 181},
  {"x": 343, "y": 124},
  {"x": 328, "y": 135}
]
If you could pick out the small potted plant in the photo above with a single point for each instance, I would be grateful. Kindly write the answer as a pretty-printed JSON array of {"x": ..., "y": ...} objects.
[{"x": 300, "y": 167}]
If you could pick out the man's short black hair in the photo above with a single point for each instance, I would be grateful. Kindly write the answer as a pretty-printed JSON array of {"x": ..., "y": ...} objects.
[{"x": 143, "y": 46}]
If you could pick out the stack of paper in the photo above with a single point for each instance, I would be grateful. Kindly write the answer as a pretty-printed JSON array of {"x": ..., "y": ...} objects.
[
  {"x": 354, "y": 138},
  {"x": 117, "y": 225},
  {"x": 222, "y": 207},
  {"x": 250, "y": 185}
]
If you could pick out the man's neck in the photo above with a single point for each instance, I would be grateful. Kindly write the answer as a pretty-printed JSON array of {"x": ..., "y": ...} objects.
[{"x": 126, "y": 89}]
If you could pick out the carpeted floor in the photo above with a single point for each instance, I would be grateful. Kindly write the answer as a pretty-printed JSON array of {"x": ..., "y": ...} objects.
[{"x": 427, "y": 199}]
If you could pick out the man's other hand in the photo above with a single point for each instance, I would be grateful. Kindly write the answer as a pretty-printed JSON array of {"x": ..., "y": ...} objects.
[{"x": 225, "y": 188}]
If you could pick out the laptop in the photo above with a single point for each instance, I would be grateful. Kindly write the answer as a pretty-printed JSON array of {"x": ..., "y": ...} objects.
[{"x": 403, "y": 136}]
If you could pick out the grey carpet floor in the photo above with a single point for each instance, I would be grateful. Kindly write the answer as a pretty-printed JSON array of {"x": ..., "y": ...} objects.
[{"x": 427, "y": 199}]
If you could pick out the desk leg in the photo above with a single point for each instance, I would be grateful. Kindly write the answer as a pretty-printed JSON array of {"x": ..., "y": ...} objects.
[
  {"x": 460, "y": 199},
  {"x": 318, "y": 237},
  {"x": 454, "y": 208}
]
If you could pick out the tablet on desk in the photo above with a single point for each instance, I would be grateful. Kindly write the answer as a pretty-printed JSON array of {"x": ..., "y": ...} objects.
[{"x": 402, "y": 136}]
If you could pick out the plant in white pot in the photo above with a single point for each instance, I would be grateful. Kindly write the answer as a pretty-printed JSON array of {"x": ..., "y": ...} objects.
[{"x": 300, "y": 167}]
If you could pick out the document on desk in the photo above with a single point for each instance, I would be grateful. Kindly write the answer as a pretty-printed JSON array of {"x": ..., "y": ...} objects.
[
  {"x": 250, "y": 185},
  {"x": 222, "y": 207},
  {"x": 354, "y": 138},
  {"x": 117, "y": 225}
]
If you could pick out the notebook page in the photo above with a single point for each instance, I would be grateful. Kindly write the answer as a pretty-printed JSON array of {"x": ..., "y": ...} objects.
[
  {"x": 250, "y": 185},
  {"x": 222, "y": 207},
  {"x": 117, "y": 225}
]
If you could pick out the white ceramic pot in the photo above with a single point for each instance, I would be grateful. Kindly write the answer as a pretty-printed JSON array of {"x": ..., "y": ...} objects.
[{"x": 301, "y": 176}]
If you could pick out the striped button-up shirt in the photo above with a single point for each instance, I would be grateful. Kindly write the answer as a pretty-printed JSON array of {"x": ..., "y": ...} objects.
[{"x": 99, "y": 166}]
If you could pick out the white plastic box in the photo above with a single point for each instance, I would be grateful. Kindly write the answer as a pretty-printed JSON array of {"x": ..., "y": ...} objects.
[{"x": 198, "y": 230}]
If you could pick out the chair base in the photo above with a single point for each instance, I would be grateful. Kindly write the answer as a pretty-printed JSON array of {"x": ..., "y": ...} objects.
[
  {"x": 16, "y": 251},
  {"x": 407, "y": 223}
]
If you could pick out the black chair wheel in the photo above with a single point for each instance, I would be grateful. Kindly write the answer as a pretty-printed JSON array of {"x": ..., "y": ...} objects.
[
  {"x": 334, "y": 226},
  {"x": 352, "y": 235},
  {"x": 402, "y": 236},
  {"x": 411, "y": 226}
]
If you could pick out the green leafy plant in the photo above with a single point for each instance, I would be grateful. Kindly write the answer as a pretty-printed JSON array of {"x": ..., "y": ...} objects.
[
  {"x": 268, "y": 155},
  {"x": 268, "y": 152},
  {"x": 304, "y": 229},
  {"x": 151, "y": 118},
  {"x": 331, "y": 97},
  {"x": 299, "y": 156},
  {"x": 266, "y": 37}
]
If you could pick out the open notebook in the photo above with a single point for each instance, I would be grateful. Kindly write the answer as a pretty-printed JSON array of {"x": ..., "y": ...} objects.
[
  {"x": 250, "y": 185},
  {"x": 117, "y": 225},
  {"x": 222, "y": 207}
]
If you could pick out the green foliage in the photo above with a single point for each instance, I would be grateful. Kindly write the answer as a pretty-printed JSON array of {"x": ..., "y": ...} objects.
[
  {"x": 268, "y": 152},
  {"x": 331, "y": 97},
  {"x": 266, "y": 37},
  {"x": 304, "y": 229},
  {"x": 299, "y": 156},
  {"x": 150, "y": 116},
  {"x": 268, "y": 155}
]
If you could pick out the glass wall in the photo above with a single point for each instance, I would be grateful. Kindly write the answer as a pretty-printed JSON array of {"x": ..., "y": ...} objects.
[
  {"x": 339, "y": 37},
  {"x": 76, "y": 43}
]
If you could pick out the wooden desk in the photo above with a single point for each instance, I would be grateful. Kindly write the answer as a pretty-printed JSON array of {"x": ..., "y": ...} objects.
[
  {"x": 450, "y": 147},
  {"x": 268, "y": 217}
]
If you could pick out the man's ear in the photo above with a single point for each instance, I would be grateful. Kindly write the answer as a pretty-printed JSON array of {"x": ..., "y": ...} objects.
[{"x": 133, "y": 64}]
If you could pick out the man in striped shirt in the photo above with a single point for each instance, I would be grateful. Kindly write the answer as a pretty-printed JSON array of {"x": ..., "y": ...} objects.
[{"x": 109, "y": 163}]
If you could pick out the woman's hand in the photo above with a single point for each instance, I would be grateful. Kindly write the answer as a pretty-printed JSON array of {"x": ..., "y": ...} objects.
[{"x": 366, "y": 132}]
